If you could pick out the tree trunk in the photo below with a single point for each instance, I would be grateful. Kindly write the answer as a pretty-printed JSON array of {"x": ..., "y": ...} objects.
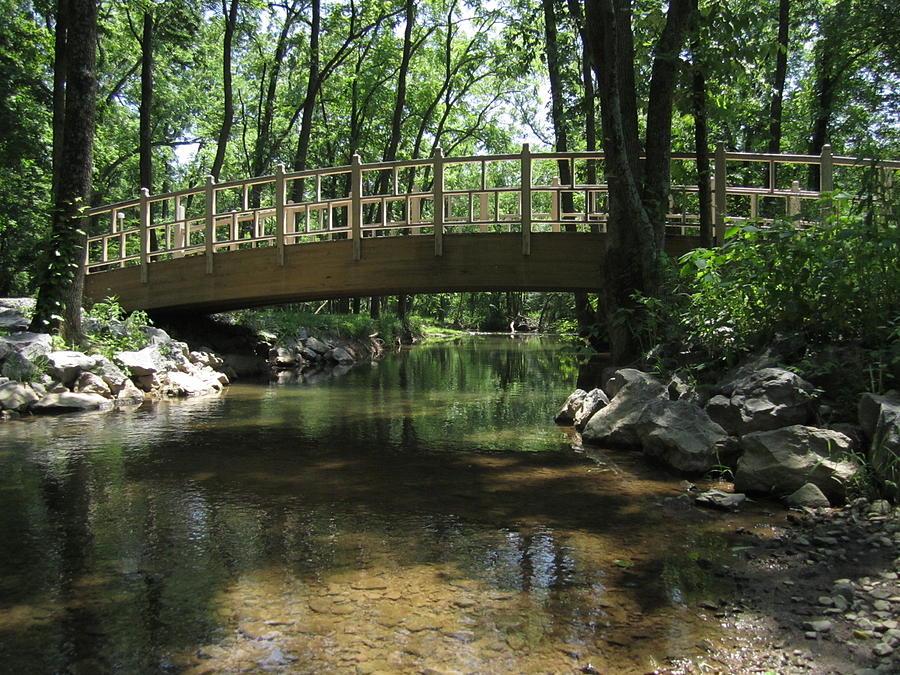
[
  {"x": 784, "y": 17},
  {"x": 701, "y": 134},
  {"x": 635, "y": 229},
  {"x": 145, "y": 132},
  {"x": 309, "y": 103},
  {"x": 59, "y": 296},
  {"x": 227, "y": 93},
  {"x": 59, "y": 94}
]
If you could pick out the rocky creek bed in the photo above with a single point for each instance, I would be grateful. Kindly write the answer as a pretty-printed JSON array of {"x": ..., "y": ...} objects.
[{"x": 819, "y": 594}]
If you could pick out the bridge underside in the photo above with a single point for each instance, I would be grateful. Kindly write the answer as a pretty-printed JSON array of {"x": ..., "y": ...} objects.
[{"x": 561, "y": 261}]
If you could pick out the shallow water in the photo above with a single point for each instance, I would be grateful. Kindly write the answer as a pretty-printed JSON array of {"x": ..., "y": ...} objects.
[{"x": 422, "y": 514}]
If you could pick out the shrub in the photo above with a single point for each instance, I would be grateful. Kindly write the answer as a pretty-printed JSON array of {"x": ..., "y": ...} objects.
[{"x": 110, "y": 329}]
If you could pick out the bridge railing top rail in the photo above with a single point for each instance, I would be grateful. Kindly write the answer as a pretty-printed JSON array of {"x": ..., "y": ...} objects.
[{"x": 512, "y": 192}]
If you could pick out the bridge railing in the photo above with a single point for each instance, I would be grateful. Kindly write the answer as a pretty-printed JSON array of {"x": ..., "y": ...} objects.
[{"x": 519, "y": 192}]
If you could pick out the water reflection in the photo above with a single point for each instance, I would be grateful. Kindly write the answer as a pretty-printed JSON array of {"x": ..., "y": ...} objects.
[{"x": 419, "y": 513}]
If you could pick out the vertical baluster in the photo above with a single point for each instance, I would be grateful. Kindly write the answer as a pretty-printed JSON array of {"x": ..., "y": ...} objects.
[
  {"x": 145, "y": 233},
  {"x": 525, "y": 199},
  {"x": 180, "y": 241},
  {"x": 794, "y": 199},
  {"x": 210, "y": 222},
  {"x": 721, "y": 195},
  {"x": 554, "y": 205},
  {"x": 356, "y": 206},
  {"x": 826, "y": 170},
  {"x": 280, "y": 202},
  {"x": 438, "y": 208}
]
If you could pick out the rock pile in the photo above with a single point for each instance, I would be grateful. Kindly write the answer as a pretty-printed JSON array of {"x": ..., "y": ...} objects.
[
  {"x": 757, "y": 424},
  {"x": 34, "y": 378},
  {"x": 308, "y": 358}
]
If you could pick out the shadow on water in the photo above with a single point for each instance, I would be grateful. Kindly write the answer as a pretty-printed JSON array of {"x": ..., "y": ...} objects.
[{"x": 423, "y": 511}]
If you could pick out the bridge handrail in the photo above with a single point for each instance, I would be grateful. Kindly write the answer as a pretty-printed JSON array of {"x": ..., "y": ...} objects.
[{"x": 248, "y": 223}]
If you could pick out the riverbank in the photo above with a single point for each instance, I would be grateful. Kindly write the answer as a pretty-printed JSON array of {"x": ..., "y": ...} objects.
[{"x": 819, "y": 594}]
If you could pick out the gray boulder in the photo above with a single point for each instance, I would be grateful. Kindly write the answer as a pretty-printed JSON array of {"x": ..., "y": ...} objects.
[
  {"x": 570, "y": 408},
  {"x": 71, "y": 402},
  {"x": 724, "y": 501},
  {"x": 681, "y": 435},
  {"x": 12, "y": 318},
  {"x": 282, "y": 357},
  {"x": 178, "y": 384},
  {"x": 624, "y": 376},
  {"x": 140, "y": 363},
  {"x": 110, "y": 373},
  {"x": 341, "y": 356},
  {"x": 808, "y": 495},
  {"x": 783, "y": 460},
  {"x": 67, "y": 366},
  {"x": 879, "y": 417},
  {"x": 89, "y": 383},
  {"x": 616, "y": 424},
  {"x": 17, "y": 396},
  {"x": 129, "y": 393},
  {"x": 316, "y": 345},
  {"x": 766, "y": 399},
  {"x": 593, "y": 401},
  {"x": 27, "y": 345}
]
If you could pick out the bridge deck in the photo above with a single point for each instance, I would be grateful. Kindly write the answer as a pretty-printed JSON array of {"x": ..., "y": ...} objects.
[{"x": 564, "y": 261}]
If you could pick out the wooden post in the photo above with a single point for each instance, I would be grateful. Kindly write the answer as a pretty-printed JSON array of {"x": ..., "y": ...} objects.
[
  {"x": 180, "y": 241},
  {"x": 554, "y": 205},
  {"x": 720, "y": 195},
  {"x": 794, "y": 199},
  {"x": 525, "y": 203},
  {"x": 210, "y": 222},
  {"x": 280, "y": 198},
  {"x": 483, "y": 210},
  {"x": 826, "y": 170},
  {"x": 438, "y": 201},
  {"x": 356, "y": 206},
  {"x": 145, "y": 233}
]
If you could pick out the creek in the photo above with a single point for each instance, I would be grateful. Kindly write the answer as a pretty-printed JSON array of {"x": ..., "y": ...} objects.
[{"x": 419, "y": 514}]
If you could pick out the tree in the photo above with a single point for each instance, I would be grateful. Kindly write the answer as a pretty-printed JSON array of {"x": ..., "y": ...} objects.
[
  {"x": 59, "y": 297},
  {"x": 638, "y": 194}
]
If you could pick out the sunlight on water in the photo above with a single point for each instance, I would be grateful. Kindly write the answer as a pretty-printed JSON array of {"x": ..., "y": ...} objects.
[{"x": 421, "y": 513}]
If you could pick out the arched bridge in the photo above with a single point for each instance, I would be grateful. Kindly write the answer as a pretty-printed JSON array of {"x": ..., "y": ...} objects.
[{"x": 499, "y": 222}]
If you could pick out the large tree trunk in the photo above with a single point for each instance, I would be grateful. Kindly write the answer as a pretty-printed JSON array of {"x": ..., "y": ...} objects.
[
  {"x": 699, "y": 110},
  {"x": 145, "y": 132},
  {"x": 227, "y": 93},
  {"x": 784, "y": 17},
  {"x": 59, "y": 94},
  {"x": 313, "y": 83},
  {"x": 59, "y": 296},
  {"x": 636, "y": 216}
]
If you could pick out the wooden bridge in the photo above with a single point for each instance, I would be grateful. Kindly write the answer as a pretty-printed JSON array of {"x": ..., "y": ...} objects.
[{"x": 498, "y": 222}]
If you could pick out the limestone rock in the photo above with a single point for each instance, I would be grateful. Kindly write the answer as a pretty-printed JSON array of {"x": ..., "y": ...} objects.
[
  {"x": 783, "y": 460},
  {"x": 570, "y": 408},
  {"x": 594, "y": 400},
  {"x": 316, "y": 345},
  {"x": 67, "y": 366},
  {"x": 180, "y": 384},
  {"x": 724, "y": 501},
  {"x": 89, "y": 383},
  {"x": 340, "y": 355},
  {"x": 111, "y": 374},
  {"x": 880, "y": 418},
  {"x": 18, "y": 396},
  {"x": 28, "y": 345},
  {"x": 129, "y": 393},
  {"x": 766, "y": 399},
  {"x": 71, "y": 402},
  {"x": 616, "y": 424},
  {"x": 680, "y": 435},
  {"x": 624, "y": 376},
  {"x": 139, "y": 364},
  {"x": 808, "y": 495}
]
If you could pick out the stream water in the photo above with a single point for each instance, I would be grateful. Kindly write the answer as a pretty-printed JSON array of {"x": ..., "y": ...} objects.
[{"x": 421, "y": 514}]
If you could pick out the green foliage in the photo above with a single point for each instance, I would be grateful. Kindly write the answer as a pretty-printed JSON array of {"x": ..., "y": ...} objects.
[
  {"x": 834, "y": 282},
  {"x": 288, "y": 324},
  {"x": 109, "y": 329}
]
